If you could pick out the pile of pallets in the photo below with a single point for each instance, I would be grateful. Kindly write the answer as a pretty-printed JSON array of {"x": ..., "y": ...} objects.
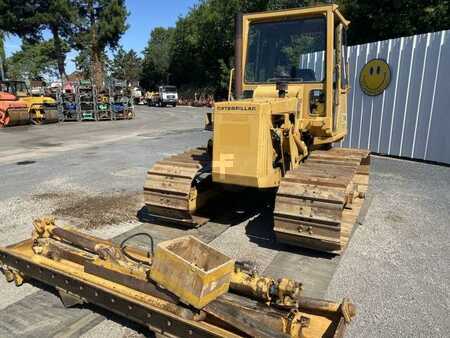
[
  {"x": 122, "y": 106},
  {"x": 82, "y": 101}
]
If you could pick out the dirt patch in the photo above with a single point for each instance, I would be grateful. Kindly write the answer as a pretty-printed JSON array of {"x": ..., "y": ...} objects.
[
  {"x": 51, "y": 196},
  {"x": 94, "y": 211}
]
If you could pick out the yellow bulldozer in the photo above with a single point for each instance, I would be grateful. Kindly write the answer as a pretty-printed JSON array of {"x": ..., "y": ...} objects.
[
  {"x": 41, "y": 109},
  {"x": 291, "y": 86}
]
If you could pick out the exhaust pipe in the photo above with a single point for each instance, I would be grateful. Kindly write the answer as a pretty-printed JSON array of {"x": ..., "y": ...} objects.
[{"x": 238, "y": 57}]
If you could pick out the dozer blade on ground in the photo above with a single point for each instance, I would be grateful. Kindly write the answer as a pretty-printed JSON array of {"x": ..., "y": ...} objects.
[
  {"x": 318, "y": 204},
  {"x": 86, "y": 269}
]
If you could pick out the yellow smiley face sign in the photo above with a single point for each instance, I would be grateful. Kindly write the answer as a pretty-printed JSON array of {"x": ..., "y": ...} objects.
[{"x": 375, "y": 77}]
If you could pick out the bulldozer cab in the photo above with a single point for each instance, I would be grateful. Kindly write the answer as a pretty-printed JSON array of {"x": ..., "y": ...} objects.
[
  {"x": 291, "y": 85},
  {"x": 297, "y": 53}
]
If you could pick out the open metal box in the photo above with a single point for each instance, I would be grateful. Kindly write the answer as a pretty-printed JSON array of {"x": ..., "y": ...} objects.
[{"x": 192, "y": 270}]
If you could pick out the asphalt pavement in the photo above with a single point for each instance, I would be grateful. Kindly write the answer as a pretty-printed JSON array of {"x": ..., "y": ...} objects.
[{"x": 396, "y": 268}]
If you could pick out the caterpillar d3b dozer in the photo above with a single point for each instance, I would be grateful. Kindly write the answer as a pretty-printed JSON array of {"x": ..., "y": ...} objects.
[
  {"x": 41, "y": 109},
  {"x": 184, "y": 289},
  {"x": 291, "y": 86}
]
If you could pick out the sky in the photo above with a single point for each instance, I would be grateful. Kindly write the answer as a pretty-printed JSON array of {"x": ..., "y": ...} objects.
[{"x": 144, "y": 15}]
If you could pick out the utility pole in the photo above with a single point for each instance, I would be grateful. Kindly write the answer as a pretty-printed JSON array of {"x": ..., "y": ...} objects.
[
  {"x": 2, "y": 52},
  {"x": 2, "y": 71}
]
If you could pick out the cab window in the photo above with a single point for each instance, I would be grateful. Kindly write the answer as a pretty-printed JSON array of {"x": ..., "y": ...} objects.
[{"x": 290, "y": 51}]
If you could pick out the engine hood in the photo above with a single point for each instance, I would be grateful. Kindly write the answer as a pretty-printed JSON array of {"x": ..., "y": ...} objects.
[
  {"x": 7, "y": 97},
  {"x": 38, "y": 100},
  {"x": 8, "y": 101}
]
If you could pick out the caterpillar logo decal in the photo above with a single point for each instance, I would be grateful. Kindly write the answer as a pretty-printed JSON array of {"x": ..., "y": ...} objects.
[{"x": 244, "y": 108}]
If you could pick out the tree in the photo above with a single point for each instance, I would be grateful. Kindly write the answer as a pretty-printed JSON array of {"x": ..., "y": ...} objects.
[
  {"x": 34, "y": 61},
  {"x": 83, "y": 63},
  {"x": 28, "y": 19},
  {"x": 2, "y": 55},
  {"x": 126, "y": 65},
  {"x": 103, "y": 24},
  {"x": 157, "y": 58},
  {"x": 386, "y": 19},
  {"x": 285, "y": 4},
  {"x": 203, "y": 47},
  {"x": 60, "y": 16},
  {"x": 203, "y": 43}
]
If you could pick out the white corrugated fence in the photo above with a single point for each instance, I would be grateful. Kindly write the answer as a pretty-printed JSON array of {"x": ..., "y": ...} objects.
[{"x": 411, "y": 118}]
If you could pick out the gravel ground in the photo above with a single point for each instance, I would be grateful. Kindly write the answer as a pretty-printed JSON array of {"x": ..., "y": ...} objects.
[
  {"x": 396, "y": 268},
  {"x": 70, "y": 175}
]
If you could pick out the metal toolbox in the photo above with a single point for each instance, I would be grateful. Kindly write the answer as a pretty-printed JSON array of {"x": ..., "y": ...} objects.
[{"x": 192, "y": 270}]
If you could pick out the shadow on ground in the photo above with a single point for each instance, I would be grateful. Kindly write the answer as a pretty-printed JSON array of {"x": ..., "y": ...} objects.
[
  {"x": 231, "y": 208},
  {"x": 100, "y": 314}
]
